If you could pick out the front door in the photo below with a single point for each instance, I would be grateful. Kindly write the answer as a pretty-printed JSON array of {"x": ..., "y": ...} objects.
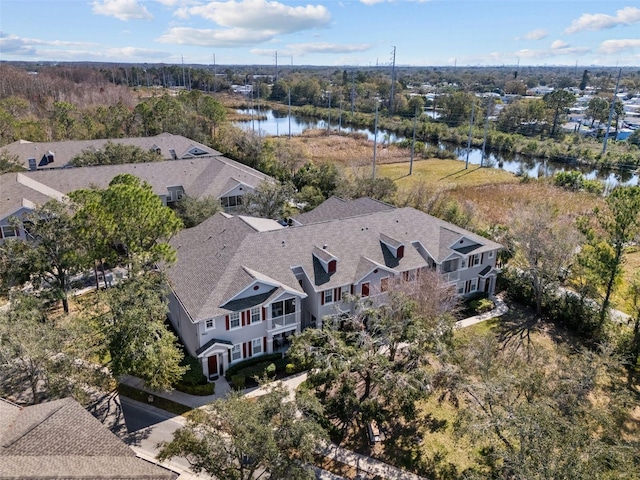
[{"x": 213, "y": 365}]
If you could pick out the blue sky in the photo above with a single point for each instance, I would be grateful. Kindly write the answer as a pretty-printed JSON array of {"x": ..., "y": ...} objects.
[{"x": 309, "y": 32}]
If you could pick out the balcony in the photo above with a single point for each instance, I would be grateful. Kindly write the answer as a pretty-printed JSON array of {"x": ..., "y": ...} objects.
[
  {"x": 284, "y": 321},
  {"x": 451, "y": 276}
]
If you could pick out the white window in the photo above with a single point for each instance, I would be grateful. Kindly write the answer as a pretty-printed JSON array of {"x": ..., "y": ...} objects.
[
  {"x": 491, "y": 254},
  {"x": 474, "y": 260},
  {"x": 236, "y": 352},
  {"x": 409, "y": 276},
  {"x": 234, "y": 320},
  {"x": 328, "y": 296},
  {"x": 256, "y": 346},
  {"x": 8, "y": 231},
  {"x": 210, "y": 323},
  {"x": 255, "y": 315},
  {"x": 461, "y": 288},
  {"x": 474, "y": 285},
  {"x": 179, "y": 194}
]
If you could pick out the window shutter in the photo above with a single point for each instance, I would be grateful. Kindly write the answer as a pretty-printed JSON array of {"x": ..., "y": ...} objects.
[
  {"x": 229, "y": 352},
  {"x": 227, "y": 320},
  {"x": 264, "y": 313},
  {"x": 322, "y": 298},
  {"x": 244, "y": 350},
  {"x": 482, "y": 258},
  {"x": 264, "y": 342},
  {"x": 400, "y": 252},
  {"x": 250, "y": 349},
  {"x": 332, "y": 266},
  {"x": 353, "y": 289},
  {"x": 467, "y": 286},
  {"x": 244, "y": 318},
  {"x": 339, "y": 295}
]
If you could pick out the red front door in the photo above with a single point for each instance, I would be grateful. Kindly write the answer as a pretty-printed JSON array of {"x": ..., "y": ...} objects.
[{"x": 213, "y": 365}]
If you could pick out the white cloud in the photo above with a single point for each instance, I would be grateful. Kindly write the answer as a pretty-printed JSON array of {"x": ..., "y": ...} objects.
[
  {"x": 300, "y": 49},
  {"x": 558, "y": 44},
  {"x": 610, "y": 47},
  {"x": 601, "y": 21},
  {"x": 14, "y": 45},
  {"x": 538, "y": 34},
  {"x": 373, "y": 2},
  {"x": 234, "y": 37},
  {"x": 121, "y": 9},
  {"x": 135, "y": 53},
  {"x": 262, "y": 15},
  {"x": 565, "y": 49}
]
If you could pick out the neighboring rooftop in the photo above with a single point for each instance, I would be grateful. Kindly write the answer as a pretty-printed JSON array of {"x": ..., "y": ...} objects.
[
  {"x": 198, "y": 177},
  {"x": 170, "y": 147},
  {"x": 335, "y": 208},
  {"x": 60, "y": 439}
]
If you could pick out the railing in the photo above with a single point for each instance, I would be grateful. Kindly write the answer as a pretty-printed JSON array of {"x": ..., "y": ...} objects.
[
  {"x": 451, "y": 276},
  {"x": 284, "y": 321}
]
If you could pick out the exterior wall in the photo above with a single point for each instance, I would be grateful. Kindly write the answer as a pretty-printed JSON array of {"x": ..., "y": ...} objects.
[
  {"x": 473, "y": 271},
  {"x": 187, "y": 330},
  {"x": 5, "y": 222},
  {"x": 333, "y": 308}
]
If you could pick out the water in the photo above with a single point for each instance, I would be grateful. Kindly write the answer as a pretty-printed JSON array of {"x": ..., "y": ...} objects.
[{"x": 278, "y": 125}]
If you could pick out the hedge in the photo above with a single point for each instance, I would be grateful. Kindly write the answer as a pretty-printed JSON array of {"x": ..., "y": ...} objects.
[
  {"x": 270, "y": 357},
  {"x": 200, "y": 390}
]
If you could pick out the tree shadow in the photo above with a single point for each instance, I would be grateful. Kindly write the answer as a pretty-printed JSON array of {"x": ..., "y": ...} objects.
[
  {"x": 110, "y": 412},
  {"x": 460, "y": 173},
  {"x": 516, "y": 327}
]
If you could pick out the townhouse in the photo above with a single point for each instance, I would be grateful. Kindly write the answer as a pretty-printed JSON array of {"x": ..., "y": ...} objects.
[
  {"x": 216, "y": 176},
  {"x": 242, "y": 286}
]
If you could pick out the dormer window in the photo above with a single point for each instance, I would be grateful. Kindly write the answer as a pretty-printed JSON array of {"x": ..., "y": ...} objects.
[
  {"x": 328, "y": 261},
  {"x": 395, "y": 246}
]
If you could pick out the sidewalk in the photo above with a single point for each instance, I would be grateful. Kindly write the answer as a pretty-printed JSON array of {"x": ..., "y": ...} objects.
[
  {"x": 501, "y": 309},
  {"x": 194, "y": 401}
]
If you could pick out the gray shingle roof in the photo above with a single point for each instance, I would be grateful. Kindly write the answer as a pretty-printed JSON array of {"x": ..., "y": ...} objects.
[
  {"x": 64, "y": 151},
  {"x": 198, "y": 176},
  {"x": 211, "y": 254},
  {"x": 60, "y": 439},
  {"x": 334, "y": 208}
]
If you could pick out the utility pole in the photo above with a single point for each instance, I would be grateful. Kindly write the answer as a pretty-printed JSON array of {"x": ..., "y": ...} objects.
[
  {"x": 353, "y": 92},
  {"x": 413, "y": 141},
  {"x": 329, "y": 122},
  {"x": 215, "y": 78},
  {"x": 375, "y": 142},
  {"x": 473, "y": 111},
  {"x": 486, "y": 127},
  {"x": 613, "y": 103},
  {"x": 393, "y": 80},
  {"x": 290, "y": 112},
  {"x": 276, "y": 67},
  {"x": 184, "y": 78},
  {"x": 340, "y": 116}
]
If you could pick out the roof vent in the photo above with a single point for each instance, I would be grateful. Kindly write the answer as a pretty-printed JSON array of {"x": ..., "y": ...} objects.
[{"x": 324, "y": 247}]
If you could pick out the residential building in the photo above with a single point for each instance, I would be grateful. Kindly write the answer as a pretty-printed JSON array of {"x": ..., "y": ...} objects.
[
  {"x": 50, "y": 155},
  {"x": 60, "y": 439},
  {"x": 216, "y": 176},
  {"x": 241, "y": 287}
]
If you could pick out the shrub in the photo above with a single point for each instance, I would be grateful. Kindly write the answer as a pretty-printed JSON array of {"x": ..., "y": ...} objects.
[
  {"x": 481, "y": 305},
  {"x": 271, "y": 357},
  {"x": 194, "y": 375},
  {"x": 201, "y": 390},
  {"x": 290, "y": 369},
  {"x": 238, "y": 382}
]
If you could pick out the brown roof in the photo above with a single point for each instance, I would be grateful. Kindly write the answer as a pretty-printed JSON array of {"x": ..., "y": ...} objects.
[{"x": 60, "y": 439}]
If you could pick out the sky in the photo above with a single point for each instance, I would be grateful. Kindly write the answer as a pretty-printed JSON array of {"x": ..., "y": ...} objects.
[{"x": 310, "y": 32}]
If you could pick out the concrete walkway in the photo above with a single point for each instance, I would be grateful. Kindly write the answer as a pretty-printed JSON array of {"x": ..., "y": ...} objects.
[
  {"x": 499, "y": 310},
  {"x": 363, "y": 463}
]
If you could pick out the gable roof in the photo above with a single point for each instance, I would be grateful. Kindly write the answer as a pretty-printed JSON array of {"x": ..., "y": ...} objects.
[
  {"x": 212, "y": 257},
  {"x": 198, "y": 176},
  {"x": 334, "y": 208},
  {"x": 60, "y": 439},
  {"x": 64, "y": 152}
]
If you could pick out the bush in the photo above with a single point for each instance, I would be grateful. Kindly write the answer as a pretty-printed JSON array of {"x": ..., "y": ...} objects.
[
  {"x": 290, "y": 369},
  {"x": 271, "y": 357},
  {"x": 194, "y": 375},
  {"x": 200, "y": 390},
  {"x": 238, "y": 382},
  {"x": 481, "y": 305}
]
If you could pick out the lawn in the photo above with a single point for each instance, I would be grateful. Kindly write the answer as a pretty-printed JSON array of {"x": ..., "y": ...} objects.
[{"x": 444, "y": 174}]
